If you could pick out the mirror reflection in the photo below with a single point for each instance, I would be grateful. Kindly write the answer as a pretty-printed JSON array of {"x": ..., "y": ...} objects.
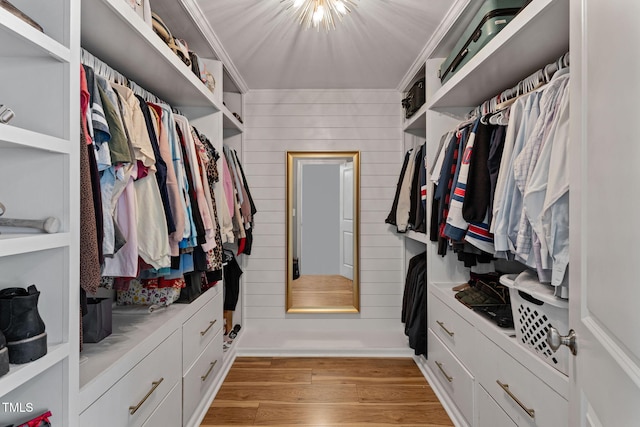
[{"x": 322, "y": 232}]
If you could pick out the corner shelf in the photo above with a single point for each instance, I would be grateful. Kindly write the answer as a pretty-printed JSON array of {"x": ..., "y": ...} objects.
[
  {"x": 541, "y": 28},
  {"x": 417, "y": 123},
  {"x": 27, "y": 41},
  {"x": 230, "y": 123},
  {"x": 136, "y": 51}
]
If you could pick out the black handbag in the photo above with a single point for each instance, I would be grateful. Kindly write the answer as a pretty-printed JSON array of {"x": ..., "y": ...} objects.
[
  {"x": 96, "y": 324},
  {"x": 415, "y": 99}
]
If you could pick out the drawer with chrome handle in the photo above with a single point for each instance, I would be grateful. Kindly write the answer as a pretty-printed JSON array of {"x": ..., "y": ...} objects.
[
  {"x": 505, "y": 387},
  {"x": 444, "y": 328},
  {"x": 200, "y": 329},
  {"x": 454, "y": 378},
  {"x": 202, "y": 376},
  {"x": 154, "y": 386},
  {"x": 213, "y": 322},
  {"x": 526, "y": 398},
  {"x": 454, "y": 331},
  {"x": 137, "y": 394}
]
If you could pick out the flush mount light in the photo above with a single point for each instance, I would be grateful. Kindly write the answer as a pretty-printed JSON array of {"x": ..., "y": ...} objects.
[{"x": 316, "y": 13}]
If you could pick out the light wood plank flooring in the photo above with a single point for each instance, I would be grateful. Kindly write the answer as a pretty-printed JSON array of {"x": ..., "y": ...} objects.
[
  {"x": 326, "y": 392},
  {"x": 321, "y": 291}
]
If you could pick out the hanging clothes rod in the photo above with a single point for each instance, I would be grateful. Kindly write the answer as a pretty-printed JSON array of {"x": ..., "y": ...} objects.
[
  {"x": 104, "y": 70},
  {"x": 529, "y": 84}
]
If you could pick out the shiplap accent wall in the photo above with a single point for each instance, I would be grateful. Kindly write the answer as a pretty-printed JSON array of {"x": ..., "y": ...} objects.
[{"x": 305, "y": 120}]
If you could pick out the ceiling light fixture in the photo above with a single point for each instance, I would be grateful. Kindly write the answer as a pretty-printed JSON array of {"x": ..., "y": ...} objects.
[{"x": 316, "y": 13}]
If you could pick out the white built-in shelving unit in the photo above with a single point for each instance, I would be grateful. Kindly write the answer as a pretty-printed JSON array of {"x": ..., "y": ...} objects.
[
  {"x": 186, "y": 340},
  {"x": 39, "y": 169},
  {"x": 465, "y": 383}
]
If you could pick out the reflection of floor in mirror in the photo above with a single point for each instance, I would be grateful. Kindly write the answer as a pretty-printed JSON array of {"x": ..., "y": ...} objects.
[{"x": 321, "y": 291}]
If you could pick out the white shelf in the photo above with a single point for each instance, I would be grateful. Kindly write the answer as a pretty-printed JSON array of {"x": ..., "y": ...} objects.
[
  {"x": 24, "y": 40},
  {"x": 12, "y": 137},
  {"x": 417, "y": 124},
  {"x": 504, "y": 338},
  {"x": 535, "y": 37},
  {"x": 14, "y": 244},
  {"x": 20, "y": 374},
  {"x": 418, "y": 237},
  {"x": 230, "y": 124},
  {"x": 115, "y": 34},
  {"x": 176, "y": 14},
  {"x": 133, "y": 337}
]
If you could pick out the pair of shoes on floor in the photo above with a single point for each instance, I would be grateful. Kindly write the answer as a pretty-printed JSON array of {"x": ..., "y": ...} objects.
[{"x": 22, "y": 332}]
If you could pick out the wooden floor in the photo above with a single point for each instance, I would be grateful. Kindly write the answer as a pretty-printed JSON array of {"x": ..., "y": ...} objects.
[
  {"x": 321, "y": 291},
  {"x": 325, "y": 392}
]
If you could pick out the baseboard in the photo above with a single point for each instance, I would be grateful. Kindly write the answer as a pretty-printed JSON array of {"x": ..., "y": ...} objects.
[
  {"x": 313, "y": 352},
  {"x": 448, "y": 404}
]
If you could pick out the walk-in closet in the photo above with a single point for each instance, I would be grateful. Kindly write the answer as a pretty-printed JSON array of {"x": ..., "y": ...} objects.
[{"x": 318, "y": 212}]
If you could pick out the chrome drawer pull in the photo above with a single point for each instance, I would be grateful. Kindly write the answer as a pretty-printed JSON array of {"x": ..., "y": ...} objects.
[
  {"x": 212, "y": 364},
  {"x": 155, "y": 384},
  {"x": 505, "y": 387},
  {"x": 445, "y": 329},
  {"x": 202, "y": 333},
  {"x": 447, "y": 376}
]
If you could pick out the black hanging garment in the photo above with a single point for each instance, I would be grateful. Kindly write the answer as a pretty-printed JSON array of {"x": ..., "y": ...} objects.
[
  {"x": 414, "y": 304},
  {"x": 232, "y": 273}
]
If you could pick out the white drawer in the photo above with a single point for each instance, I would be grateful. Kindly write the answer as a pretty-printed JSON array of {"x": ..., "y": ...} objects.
[
  {"x": 169, "y": 411},
  {"x": 489, "y": 413},
  {"x": 198, "y": 331},
  {"x": 200, "y": 376},
  {"x": 457, "y": 334},
  {"x": 455, "y": 379},
  {"x": 523, "y": 396},
  {"x": 144, "y": 387}
]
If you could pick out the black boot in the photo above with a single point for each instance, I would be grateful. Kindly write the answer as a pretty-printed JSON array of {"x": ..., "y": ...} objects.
[
  {"x": 4, "y": 355},
  {"x": 22, "y": 325}
]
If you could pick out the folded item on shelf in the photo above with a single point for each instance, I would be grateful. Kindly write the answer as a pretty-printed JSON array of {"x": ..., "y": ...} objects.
[{"x": 481, "y": 293}]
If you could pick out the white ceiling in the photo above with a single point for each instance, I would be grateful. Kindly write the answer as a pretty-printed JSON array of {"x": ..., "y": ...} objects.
[{"x": 372, "y": 48}]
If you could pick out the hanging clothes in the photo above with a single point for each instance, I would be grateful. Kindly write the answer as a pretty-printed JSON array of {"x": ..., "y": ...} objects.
[
  {"x": 499, "y": 187},
  {"x": 414, "y": 304},
  {"x": 391, "y": 218}
]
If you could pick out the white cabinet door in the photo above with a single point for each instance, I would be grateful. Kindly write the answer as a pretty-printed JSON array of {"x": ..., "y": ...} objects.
[
  {"x": 605, "y": 207},
  {"x": 346, "y": 220}
]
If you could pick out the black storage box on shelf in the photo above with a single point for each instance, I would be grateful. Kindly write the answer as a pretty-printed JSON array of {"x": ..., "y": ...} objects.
[
  {"x": 414, "y": 99},
  {"x": 492, "y": 17},
  {"x": 192, "y": 288},
  {"x": 96, "y": 324}
]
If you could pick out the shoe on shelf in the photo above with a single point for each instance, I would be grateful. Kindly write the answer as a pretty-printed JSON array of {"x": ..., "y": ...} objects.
[
  {"x": 4, "y": 355},
  {"x": 21, "y": 324},
  {"x": 234, "y": 331}
]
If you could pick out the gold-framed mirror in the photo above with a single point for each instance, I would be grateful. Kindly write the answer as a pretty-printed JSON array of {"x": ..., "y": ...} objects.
[{"x": 323, "y": 232}]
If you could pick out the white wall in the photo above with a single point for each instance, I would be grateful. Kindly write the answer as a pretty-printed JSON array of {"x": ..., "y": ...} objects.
[{"x": 368, "y": 121}]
